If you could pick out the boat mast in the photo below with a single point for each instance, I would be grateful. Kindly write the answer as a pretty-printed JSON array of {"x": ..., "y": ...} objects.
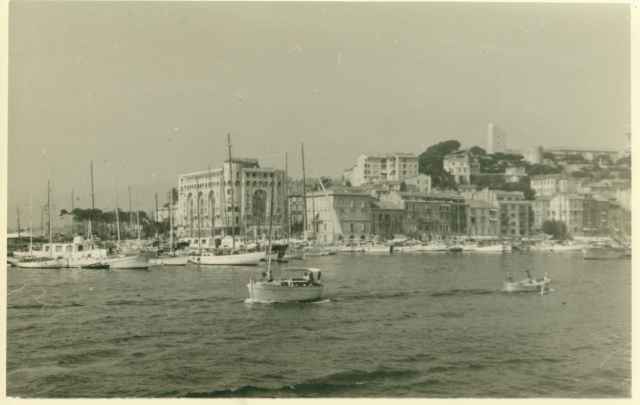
[
  {"x": 49, "y": 210},
  {"x": 212, "y": 208},
  {"x": 304, "y": 192},
  {"x": 199, "y": 215},
  {"x": 18, "y": 212},
  {"x": 117, "y": 219},
  {"x": 286, "y": 197},
  {"x": 171, "y": 222},
  {"x": 269, "y": 278},
  {"x": 93, "y": 206},
  {"x": 130, "y": 210},
  {"x": 30, "y": 224},
  {"x": 233, "y": 233}
]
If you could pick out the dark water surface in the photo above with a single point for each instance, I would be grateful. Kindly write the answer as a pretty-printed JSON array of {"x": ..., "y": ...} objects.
[{"x": 392, "y": 326}]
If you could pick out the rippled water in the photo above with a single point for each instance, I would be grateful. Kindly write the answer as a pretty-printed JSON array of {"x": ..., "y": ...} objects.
[{"x": 391, "y": 326}]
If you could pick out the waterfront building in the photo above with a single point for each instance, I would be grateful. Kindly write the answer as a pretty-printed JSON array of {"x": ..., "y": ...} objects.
[
  {"x": 540, "y": 207},
  {"x": 339, "y": 214},
  {"x": 496, "y": 139},
  {"x": 482, "y": 218},
  {"x": 210, "y": 205},
  {"x": 595, "y": 216},
  {"x": 388, "y": 219},
  {"x": 379, "y": 168},
  {"x": 568, "y": 208},
  {"x": 515, "y": 213},
  {"x": 551, "y": 184},
  {"x": 461, "y": 165},
  {"x": 430, "y": 215}
]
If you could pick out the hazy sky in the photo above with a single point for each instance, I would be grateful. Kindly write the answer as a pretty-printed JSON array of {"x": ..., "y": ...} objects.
[{"x": 149, "y": 91}]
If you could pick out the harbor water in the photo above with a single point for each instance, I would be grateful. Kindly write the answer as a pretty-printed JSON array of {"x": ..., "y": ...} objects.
[{"x": 431, "y": 325}]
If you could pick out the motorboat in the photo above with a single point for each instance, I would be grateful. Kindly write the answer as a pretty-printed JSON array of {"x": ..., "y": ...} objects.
[
  {"x": 491, "y": 248},
  {"x": 96, "y": 266},
  {"x": 233, "y": 259},
  {"x": 528, "y": 284},
  {"x": 295, "y": 285}
]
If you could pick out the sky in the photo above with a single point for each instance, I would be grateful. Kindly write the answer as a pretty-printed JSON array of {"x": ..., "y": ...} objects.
[{"x": 149, "y": 90}]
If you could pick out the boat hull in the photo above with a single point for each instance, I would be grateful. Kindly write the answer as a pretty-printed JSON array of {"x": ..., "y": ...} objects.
[
  {"x": 170, "y": 261},
  {"x": 271, "y": 293},
  {"x": 242, "y": 259},
  {"x": 128, "y": 262},
  {"x": 527, "y": 285},
  {"x": 42, "y": 264}
]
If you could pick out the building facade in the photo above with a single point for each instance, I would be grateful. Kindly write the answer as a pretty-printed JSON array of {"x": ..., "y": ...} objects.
[
  {"x": 461, "y": 165},
  {"x": 482, "y": 218},
  {"x": 234, "y": 199},
  {"x": 380, "y": 168},
  {"x": 421, "y": 183},
  {"x": 514, "y": 174},
  {"x": 339, "y": 215},
  {"x": 552, "y": 184},
  {"x": 568, "y": 208},
  {"x": 515, "y": 214}
]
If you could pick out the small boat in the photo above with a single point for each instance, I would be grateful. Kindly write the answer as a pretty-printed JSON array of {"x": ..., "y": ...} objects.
[
  {"x": 124, "y": 262},
  {"x": 526, "y": 285},
  {"x": 297, "y": 285},
  {"x": 456, "y": 248},
  {"x": 605, "y": 253},
  {"x": 492, "y": 248},
  {"x": 237, "y": 259}
]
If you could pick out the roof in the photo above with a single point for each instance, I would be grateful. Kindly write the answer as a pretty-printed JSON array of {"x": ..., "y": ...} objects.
[{"x": 479, "y": 204}]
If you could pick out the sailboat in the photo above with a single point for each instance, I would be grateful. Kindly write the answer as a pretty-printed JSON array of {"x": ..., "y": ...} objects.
[
  {"x": 234, "y": 258},
  {"x": 172, "y": 259},
  {"x": 296, "y": 284}
]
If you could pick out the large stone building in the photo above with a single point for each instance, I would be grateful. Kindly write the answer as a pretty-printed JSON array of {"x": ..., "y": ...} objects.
[
  {"x": 380, "y": 168},
  {"x": 482, "y": 218},
  {"x": 233, "y": 199},
  {"x": 339, "y": 215},
  {"x": 515, "y": 213},
  {"x": 430, "y": 215},
  {"x": 461, "y": 165},
  {"x": 568, "y": 208}
]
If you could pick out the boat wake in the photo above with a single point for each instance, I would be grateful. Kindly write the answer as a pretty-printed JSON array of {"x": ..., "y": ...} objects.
[{"x": 338, "y": 383}]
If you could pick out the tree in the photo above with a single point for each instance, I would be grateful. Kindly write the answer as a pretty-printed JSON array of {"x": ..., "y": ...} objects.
[
  {"x": 430, "y": 162},
  {"x": 557, "y": 229},
  {"x": 477, "y": 151}
]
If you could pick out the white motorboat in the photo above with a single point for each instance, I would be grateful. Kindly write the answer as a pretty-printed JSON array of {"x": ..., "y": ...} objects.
[
  {"x": 528, "y": 284},
  {"x": 430, "y": 248},
  {"x": 169, "y": 261},
  {"x": 296, "y": 285},
  {"x": 124, "y": 262},
  {"x": 237, "y": 259}
]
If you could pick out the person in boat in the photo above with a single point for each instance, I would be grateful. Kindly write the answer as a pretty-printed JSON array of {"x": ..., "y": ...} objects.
[{"x": 510, "y": 277}]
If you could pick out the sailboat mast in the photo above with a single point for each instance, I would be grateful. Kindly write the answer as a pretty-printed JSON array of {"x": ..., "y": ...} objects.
[
  {"x": 269, "y": 278},
  {"x": 30, "y": 224},
  {"x": 171, "y": 222},
  {"x": 93, "y": 204},
  {"x": 304, "y": 191},
  {"x": 233, "y": 231},
  {"x": 286, "y": 196},
  {"x": 18, "y": 212},
  {"x": 49, "y": 210}
]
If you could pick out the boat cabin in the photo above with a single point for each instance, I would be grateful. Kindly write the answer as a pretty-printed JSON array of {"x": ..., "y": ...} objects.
[{"x": 300, "y": 277}]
